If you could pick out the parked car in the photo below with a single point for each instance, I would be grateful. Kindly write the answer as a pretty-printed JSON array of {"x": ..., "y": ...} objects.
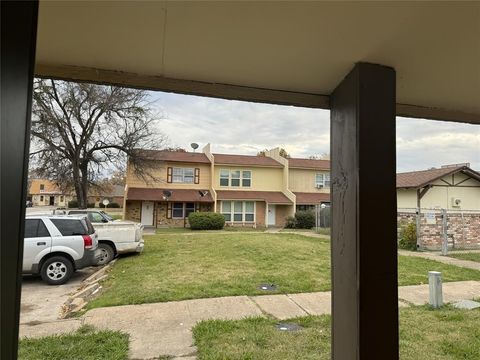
[
  {"x": 56, "y": 246},
  {"x": 114, "y": 236}
]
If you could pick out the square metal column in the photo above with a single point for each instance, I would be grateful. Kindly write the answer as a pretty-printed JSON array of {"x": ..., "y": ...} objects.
[{"x": 364, "y": 246}]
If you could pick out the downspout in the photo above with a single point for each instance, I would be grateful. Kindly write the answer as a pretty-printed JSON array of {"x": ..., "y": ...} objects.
[{"x": 206, "y": 150}]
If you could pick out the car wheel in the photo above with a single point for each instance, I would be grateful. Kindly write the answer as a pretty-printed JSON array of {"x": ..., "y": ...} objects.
[
  {"x": 106, "y": 254},
  {"x": 56, "y": 270}
]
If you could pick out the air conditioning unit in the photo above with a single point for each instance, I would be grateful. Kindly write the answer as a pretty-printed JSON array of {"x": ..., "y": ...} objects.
[
  {"x": 319, "y": 186},
  {"x": 456, "y": 202}
]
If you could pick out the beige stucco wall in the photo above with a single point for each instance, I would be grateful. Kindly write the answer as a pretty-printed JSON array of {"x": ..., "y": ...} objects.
[
  {"x": 303, "y": 180},
  {"x": 46, "y": 200},
  {"x": 159, "y": 171},
  {"x": 263, "y": 179},
  {"x": 441, "y": 196}
]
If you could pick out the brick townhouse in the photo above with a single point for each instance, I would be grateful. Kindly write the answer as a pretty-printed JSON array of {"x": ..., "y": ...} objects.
[{"x": 247, "y": 190}]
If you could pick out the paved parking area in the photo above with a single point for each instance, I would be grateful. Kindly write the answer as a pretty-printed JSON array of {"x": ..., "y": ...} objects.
[{"x": 41, "y": 302}]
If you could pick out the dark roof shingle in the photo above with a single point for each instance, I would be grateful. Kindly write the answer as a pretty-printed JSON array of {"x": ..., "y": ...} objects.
[
  {"x": 249, "y": 160},
  {"x": 311, "y": 198},
  {"x": 175, "y": 156},
  {"x": 272, "y": 197},
  {"x": 417, "y": 179},
  {"x": 309, "y": 164}
]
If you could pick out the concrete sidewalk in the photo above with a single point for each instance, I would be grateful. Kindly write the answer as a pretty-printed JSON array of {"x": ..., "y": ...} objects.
[
  {"x": 166, "y": 328},
  {"x": 443, "y": 259}
]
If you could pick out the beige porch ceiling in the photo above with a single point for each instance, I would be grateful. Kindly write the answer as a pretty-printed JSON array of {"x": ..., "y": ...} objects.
[{"x": 290, "y": 52}]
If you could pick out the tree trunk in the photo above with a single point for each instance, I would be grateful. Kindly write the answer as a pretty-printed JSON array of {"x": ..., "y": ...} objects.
[
  {"x": 83, "y": 186},
  {"x": 79, "y": 190}
]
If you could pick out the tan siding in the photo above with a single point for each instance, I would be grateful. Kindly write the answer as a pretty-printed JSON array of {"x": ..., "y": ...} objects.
[
  {"x": 263, "y": 179},
  {"x": 159, "y": 171},
  {"x": 303, "y": 180}
]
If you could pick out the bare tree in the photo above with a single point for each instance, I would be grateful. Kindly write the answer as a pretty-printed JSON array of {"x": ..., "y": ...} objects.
[{"x": 83, "y": 131}]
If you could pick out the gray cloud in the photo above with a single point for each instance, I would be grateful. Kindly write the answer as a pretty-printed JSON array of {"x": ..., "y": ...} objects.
[{"x": 245, "y": 128}]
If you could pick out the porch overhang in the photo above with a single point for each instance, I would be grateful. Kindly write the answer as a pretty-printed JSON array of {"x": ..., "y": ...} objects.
[
  {"x": 270, "y": 197},
  {"x": 169, "y": 195},
  {"x": 311, "y": 198},
  {"x": 151, "y": 45}
]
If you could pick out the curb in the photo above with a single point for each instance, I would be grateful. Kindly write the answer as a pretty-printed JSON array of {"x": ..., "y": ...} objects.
[{"x": 88, "y": 290}]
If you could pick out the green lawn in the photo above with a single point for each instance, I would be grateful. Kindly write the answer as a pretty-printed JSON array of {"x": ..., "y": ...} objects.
[
  {"x": 84, "y": 344},
  {"x": 446, "y": 334},
  {"x": 199, "y": 265},
  {"x": 472, "y": 256}
]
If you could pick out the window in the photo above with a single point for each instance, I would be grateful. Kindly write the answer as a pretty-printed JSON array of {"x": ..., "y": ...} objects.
[
  {"x": 246, "y": 178},
  {"x": 227, "y": 210},
  {"x": 238, "y": 211},
  {"x": 61, "y": 198},
  {"x": 70, "y": 227},
  {"x": 224, "y": 177},
  {"x": 177, "y": 211},
  {"x": 182, "y": 210},
  {"x": 42, "y": 187},
  {"x": 322, "y": 180},
  {"x": 35, "y": 228},
  {"x": 249, "y": 211},
  {"x": 95, "y": 217},
  {"x": 189, "y": 208},
  {"x": 235, "y": 178},
  {"x": 41, "y": 198},
  {"x": 183, "y": 175}
]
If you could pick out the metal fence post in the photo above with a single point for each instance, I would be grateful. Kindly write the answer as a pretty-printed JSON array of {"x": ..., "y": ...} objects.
[
  {"x": 418, "y": 225},
  {"x": 444, "y": 233},
  {"x": 435, "y": 289}
]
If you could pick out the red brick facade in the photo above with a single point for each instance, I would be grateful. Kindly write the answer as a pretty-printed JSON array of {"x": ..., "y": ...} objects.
[{"x": 463, "y": 229}]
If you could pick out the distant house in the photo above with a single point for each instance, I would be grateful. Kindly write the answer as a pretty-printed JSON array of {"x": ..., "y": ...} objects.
[
  {"x": 247, "y": 190},
  {"x": 44, "y": 192},
  {"x": 454, "y": 187},
  {"x": 112, "y": 193}
]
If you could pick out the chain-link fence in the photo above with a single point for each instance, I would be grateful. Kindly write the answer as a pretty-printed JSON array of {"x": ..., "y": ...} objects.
[
  {"x": 322, "y": 216},
  {"x": 443, "y": 229}
]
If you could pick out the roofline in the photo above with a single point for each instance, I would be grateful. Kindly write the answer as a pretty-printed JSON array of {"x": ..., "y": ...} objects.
[{"x": 475, "y": 174}]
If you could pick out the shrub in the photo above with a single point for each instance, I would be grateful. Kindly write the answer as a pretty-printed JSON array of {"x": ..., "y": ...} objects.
[
  {"x": 408, "y": 236},
  {"x": 113, "y": 205},
  {"x": 90, "y": 205},
  {"x": 73, "y": 204},
  {"x": 206, "y": 221},
  {"x": 304, "y": 219},
  {"x": 290, "y": 222}
]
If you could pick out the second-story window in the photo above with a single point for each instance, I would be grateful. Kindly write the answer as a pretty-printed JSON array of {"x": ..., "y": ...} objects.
[
  {"x": 322, "y": 180},
  {"x": 42, "y": 187},
  {"x": 235, "y": 178},
  {"x": 246, "y": 178},
  {"x": 183, "y": 175},
  {"x": 224, "y": 177}
]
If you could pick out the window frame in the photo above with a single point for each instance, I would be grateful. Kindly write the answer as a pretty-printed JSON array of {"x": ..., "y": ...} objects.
[
  {"x": 191, "y": 209},
  {"x": 227, "y": 174},
  {"x": 325, "y": 182},
  {"x": 231, "y": 214},
  {"x": 181, "y": 173}
]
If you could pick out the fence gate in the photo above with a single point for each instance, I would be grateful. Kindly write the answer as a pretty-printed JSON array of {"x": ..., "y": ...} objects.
[{"x": 322, "y": 216}]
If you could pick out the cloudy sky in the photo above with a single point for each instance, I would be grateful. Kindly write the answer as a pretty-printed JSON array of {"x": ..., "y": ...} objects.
[{"x": 237, "y": 127}]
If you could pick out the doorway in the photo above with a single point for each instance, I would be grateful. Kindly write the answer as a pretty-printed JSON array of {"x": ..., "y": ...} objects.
[
  {"x": 52, "y": 201},
  {"x": 147, "y": 213},
  {"x": 271, "y": 215}
]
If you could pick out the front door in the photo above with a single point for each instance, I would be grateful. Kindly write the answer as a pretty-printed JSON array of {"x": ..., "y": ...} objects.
[
  {"x": 271, "y": 214},
  {"x": 147, "y": 213},
  {"x": 52, "y": 200}
]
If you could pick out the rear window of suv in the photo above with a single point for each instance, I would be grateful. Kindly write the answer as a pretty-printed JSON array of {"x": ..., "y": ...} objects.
[{"x": 69, "y": 227}]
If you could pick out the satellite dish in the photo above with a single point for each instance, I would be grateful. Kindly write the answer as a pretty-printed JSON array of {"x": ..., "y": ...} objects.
[
  {"x": 194, "y": 146},
  {"x": 167, "y": 193}
]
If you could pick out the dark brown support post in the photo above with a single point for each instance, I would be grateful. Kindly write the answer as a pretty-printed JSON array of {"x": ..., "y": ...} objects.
[
  {"x": 364, "y": 246},
  {"x": 19, "y": 28}
]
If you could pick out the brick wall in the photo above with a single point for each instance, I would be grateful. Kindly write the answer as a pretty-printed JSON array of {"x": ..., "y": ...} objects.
[
  {"x": 463, "y": 229},
  {"x": 133, "y": 210}
]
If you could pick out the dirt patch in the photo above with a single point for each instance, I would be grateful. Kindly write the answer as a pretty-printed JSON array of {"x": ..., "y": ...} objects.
[{"x": 27, "y": 307}]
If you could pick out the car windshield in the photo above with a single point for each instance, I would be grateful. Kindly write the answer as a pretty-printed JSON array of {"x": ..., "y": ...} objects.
[{"x": 106, "y": 216}]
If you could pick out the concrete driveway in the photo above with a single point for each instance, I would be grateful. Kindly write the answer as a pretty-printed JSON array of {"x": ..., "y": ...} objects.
[{"x": 43, "y": 303}]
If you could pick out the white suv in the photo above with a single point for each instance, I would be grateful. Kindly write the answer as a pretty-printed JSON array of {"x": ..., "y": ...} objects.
[{"x": 55, "y": 246}]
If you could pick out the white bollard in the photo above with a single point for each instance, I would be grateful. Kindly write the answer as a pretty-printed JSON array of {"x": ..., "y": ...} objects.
[{"x": 435, "y": 288}]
